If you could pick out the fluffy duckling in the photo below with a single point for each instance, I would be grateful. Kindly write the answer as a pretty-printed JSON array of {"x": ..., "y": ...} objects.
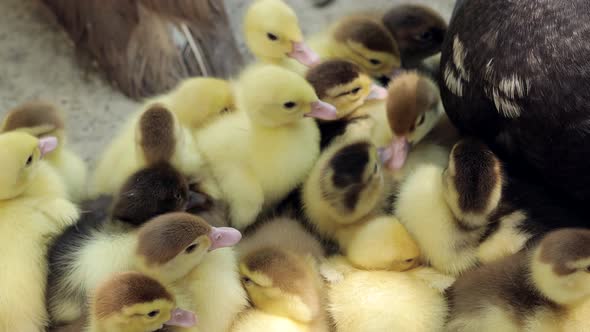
[
  {"x": 344, "y": 199},
  {"x": 273, "y": 35},
  {"x": 92, "y": 248},
  {"x": 363, "y": 41},
  {"x": 33, "y": 210},
  {"x": 270, "y": 137},
  {"x": 281, "y": 283},
  {"x": 534, "y": 290},
  {"x": 344, "y": 85},
  {"x": 195, "y": 260},
  {"x": 43, "y": 119},
  {"x": 197, "y": 101},
  {"x": 132, "y": 302},
  {"x": 413, "y": 111},
  {"x": 152, "y": 136},
  {"x": 461, "y": 197},
  {"x": 413, "y": 299},
  {"x": 418, "y": 30}
]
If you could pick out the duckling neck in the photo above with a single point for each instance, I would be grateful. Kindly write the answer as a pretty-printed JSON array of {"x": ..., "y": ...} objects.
[{"x": 46, "y": 183}]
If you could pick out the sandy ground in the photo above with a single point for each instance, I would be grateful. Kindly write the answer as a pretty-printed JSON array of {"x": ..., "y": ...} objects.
[{"x": 37, "y": 61}]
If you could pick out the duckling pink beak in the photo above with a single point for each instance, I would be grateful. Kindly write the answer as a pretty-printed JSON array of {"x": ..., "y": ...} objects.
[
  {"x": 303, "y": 54},
  {"x": 182, "y": 318},
  {"x": 47, "y": 144},
  {"x": 323, "y": 111},
  {"x": 377, "y": 93},
  {"x": 394, "y": 156},
  {"x": 222, "y": 237}
]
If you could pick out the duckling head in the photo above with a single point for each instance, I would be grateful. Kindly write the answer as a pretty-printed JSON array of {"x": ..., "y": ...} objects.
[
  {"x": 36, "y": 118},
  {"x": 473, "y": 182},
  {"x": 20, "y": 154},
  {"x": 418, "y": 30},
  {"x": 560, "y": 266},
  {"x": 153, "y": 191},
  {"x": 343, "y": 84},
  {"x": 352, "y": 181},
  {"x": 274, "y": 96},
  {"x": 413, "y": 109},
  {"x": 280, "y": 283},
  {"x": 172, "y": 245},
  {"x": 273, "y": 34},
  {"x": 199, "y": 100},
  {"x": 133, "y": 302},
  {"x": 367, "y": 43}
]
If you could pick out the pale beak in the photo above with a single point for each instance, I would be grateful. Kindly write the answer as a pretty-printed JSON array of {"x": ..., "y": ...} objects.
[
  {"x": 395, "y": 155},
  {"x": 304, "y": 54},
  {"x": 377, "y": 93},
  {"x": 222, "y": 237},
  {"x": 182, "y": 318},
  {"x": 47, "y": 144},
  {"x": 323, "y": 111},
  {"x": 196, "y": 199}
]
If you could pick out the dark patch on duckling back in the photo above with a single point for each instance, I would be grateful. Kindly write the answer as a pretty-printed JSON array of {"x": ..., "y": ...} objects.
[
  {"x": 150, "y": 192},
  {"x": 164, "y": 237},
  {"x": 565, "y": 246},
  {"x": 158, "y": 141},
  {"x": 127, "y": 289},
  {"x": 330, "y": 74},
  {"x": 33, "y": 114},
  {"x": 367, "y": 32},
  {"x": 476, "y": 175},
  {"x": 418, "y": 30}
]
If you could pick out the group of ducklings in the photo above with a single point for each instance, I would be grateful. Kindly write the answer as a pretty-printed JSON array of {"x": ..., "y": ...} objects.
[{"x": 362, "y": 208}]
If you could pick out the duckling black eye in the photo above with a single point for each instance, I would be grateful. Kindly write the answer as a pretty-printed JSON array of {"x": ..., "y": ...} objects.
[
  {"x": 225, "y": 110},
  {"x": 421, "y": 120},
  {"x": 178, "y": 196},
  {"x": 427, "y": 36},
  {"x": 289, "y": 105},
  {"x": 153, "y": 314},
  {"x": 29, "y": 160},
  {"x": 375, "y": 62},
  {"x": 191, "y": 248},
  {"x": 271, "y": 36},
  {"x": 355, "y": 91},
  {"x": 247, "y": 281},
  {"x": 409, "y": 260}
]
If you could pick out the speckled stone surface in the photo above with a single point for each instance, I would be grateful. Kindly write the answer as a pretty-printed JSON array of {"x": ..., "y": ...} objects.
[{"x": 37, "y": 61}]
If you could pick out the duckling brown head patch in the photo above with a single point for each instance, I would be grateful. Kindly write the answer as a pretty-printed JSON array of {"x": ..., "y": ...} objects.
[
  {"x": 418, "y": 30},
  {"x": 282, "y": 268},
  {"x": 164, "y": 237},
  {"x": 476, "y": 174},
  {"x": 156, "y": 128},
  {"x": 563, "y": 247},
  {"x": 34, "y": 114},
  {"x": 371, "y": 34},
  {"x": 150, "y": 192},
  {"x": 127, "y": 289},
  {"x": 410, "y": 95},
  {"x": 331, "y": 73}
]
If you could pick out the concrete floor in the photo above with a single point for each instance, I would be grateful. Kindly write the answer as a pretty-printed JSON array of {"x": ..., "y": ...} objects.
[{"x": 37, "y": 61}]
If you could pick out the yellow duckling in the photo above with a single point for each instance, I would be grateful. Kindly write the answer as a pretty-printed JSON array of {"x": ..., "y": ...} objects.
[
  {"x": 132, "y": 302},
  {"x": 344, "y": 199},
  {"x": 286, "y": 291},
  {"x": 546, "y": 288},
  {"x": 152, "y": 136},
  {"x": 376, "y": 301},
  {"x": 43, "y": 119},
  {"x": 249, "y": 152},
  {"x": 362, "y": 40},
  {"x": 197, "y": 101},
  {"x": 33, "y": 210},
  {"x": 273, "y": 35},
  {"x": 196, "y": 261}
]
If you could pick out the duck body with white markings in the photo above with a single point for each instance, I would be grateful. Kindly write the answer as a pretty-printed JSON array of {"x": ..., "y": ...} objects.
[{"x": 523, "y": 86}]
